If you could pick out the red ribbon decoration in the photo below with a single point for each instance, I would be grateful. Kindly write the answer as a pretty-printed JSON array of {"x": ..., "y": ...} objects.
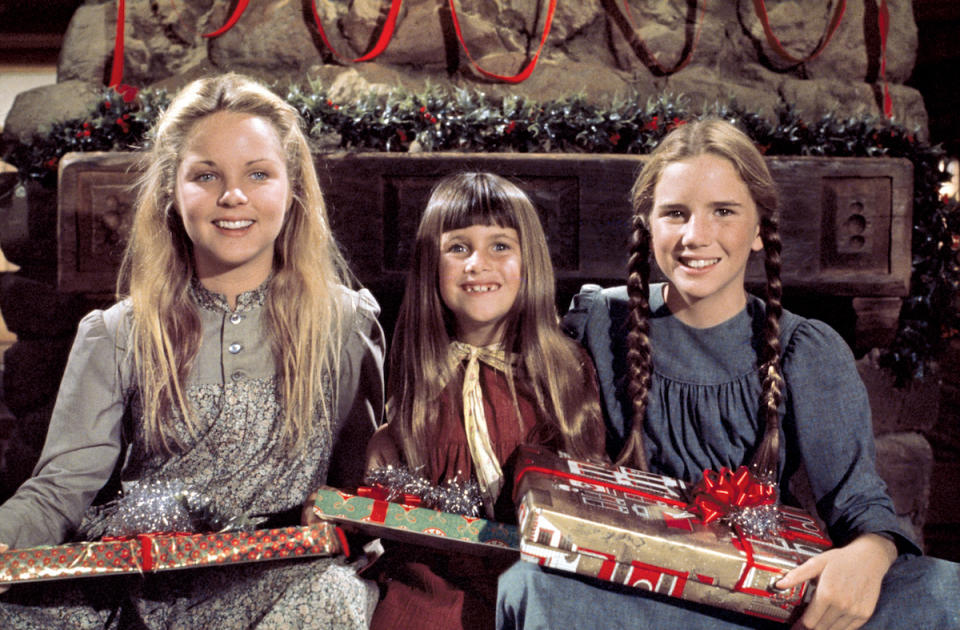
[
  {"x": 645, "y": 52},
  {"x": 721, "y": 493},
  {"x": 146, "y": 550},
  {"x": 380, "y": 46},
  {"x": 883, "y": 25},
  {"x": 379, "y": 493},
  {"x": 761, "y": 9},
  {"x": 116, "y": 72},
  {"x": 128, "y": 92},
  {"x": 524, "y": 74},
  {"x": 382, "y": 41},
  {"x": 237, "y": 12}
]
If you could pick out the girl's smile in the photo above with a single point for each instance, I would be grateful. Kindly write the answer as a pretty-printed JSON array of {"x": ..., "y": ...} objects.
[
  {"x": 703, "y": 226},
  {"x": 233, "y": 193},
  {"x": 480, "y": 274}
]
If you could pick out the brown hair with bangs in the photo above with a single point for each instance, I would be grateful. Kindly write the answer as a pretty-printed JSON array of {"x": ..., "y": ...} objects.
[{"x": 549, "y": 363}]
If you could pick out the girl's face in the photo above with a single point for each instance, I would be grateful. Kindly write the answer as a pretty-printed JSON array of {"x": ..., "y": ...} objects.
[
  {"x": 233, "y": 193},
  {"x": 480, "y": 274},
  {"x": 703, "y": 226}
]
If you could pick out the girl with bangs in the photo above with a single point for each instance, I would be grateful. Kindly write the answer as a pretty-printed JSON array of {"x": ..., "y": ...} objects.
[
  {"x": 237, "y": 364},
  {"x": 478, "y": 366}
]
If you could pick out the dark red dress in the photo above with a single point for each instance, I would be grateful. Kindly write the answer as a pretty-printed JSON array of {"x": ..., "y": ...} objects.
[{"x": 423, "y": 587}]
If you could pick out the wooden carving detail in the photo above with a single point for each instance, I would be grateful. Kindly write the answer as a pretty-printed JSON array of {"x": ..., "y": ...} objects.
[
  {"x": 855, "y": 232},
  {"x": 102, "y": 234}
]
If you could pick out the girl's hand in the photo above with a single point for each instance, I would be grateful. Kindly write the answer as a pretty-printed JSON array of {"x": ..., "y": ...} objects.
[
  {"x": 4, "y": 589},
  {"x": 848, "y": 583},
  {"x": 382, "y": 450}
]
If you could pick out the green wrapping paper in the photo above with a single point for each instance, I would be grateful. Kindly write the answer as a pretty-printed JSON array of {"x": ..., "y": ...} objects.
[
  {"x": 421, "y": 526},
  {"x": 634, "y": 528},
  {"x": 149, "y": 553}
]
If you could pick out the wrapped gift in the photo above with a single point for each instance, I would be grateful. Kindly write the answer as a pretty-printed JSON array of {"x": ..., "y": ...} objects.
[
  {"x": 148, "y": 553},
  {"x": 417, "y": 525},
  {"x": 636, "y": 528}
]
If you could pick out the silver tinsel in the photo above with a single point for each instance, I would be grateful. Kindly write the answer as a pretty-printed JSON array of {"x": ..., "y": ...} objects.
[
  {"x": 762, "y": 521},
  {"x": 160, "y": 506},
  {"x": 454, "y": 496}
]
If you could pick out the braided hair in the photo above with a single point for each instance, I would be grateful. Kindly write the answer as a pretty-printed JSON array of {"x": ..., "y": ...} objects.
[{"x": 720, "y": 138}]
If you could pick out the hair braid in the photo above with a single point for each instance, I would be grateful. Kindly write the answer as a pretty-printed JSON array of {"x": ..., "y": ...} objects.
[
  {"x": 639, "y": 356},
  {"x": 765, "y": 460}
]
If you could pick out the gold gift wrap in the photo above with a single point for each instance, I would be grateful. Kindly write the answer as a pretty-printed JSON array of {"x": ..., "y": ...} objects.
[
  {"x": 148, "y": 553},
  {"x": 631, "y": 527}
]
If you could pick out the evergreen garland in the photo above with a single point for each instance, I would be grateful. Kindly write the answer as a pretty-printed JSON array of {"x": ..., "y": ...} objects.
[{"x": 468, "y": 121}]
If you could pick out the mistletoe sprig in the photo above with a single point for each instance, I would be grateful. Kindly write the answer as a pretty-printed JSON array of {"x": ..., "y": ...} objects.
[{"x": 437, "y": 119}]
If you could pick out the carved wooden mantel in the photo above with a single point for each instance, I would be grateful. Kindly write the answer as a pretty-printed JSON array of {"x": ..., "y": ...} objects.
[{"x": 845, "y": 222}]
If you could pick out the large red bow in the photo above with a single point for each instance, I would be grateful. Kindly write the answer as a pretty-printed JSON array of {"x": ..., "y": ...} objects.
[{"x": 725, "y": 493}]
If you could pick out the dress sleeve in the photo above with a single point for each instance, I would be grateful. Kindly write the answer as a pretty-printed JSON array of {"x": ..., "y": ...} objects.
[
  {"x": 596, "y": 319},
  {"x": 82, "y": 446},
  {"x": 834, "y": 434},
  {"x": 360, "y": 395}
]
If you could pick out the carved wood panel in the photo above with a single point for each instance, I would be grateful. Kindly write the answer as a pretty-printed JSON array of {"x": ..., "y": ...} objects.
[{"x": 845, "y": 223}]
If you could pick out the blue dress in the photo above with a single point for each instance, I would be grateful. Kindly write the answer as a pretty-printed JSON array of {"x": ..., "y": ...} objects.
[{"x": 703, "y": 412}]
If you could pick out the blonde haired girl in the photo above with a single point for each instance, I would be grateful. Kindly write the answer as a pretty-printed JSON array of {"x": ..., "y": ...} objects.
[{"x": 237, "y": 363}]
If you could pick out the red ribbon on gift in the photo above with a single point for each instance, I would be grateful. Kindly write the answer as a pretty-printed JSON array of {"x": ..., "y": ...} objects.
[
  {"x": 721, "y": 493},
  {"x": 379, "y": 493},
  {"x": 146, "y": 542}
]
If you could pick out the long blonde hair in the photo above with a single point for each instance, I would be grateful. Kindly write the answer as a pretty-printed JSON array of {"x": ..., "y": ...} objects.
[
  {"x": 720, "y": 138},
  {"x": 420, "y": 366},
  {"x": 303, "y": 317}
]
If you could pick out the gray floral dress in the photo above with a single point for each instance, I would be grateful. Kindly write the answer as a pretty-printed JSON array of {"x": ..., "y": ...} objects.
[{"x": 235, "y": 456}]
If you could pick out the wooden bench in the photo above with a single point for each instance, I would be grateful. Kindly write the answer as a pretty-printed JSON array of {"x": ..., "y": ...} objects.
[{"x": 845, "y": 223}]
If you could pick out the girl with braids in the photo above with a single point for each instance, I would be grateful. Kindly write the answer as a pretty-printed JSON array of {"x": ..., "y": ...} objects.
[
  {"x": 478, "y": 365},
  {"x": 237, "y": 363},
  {"x": 697, "y": 374}
]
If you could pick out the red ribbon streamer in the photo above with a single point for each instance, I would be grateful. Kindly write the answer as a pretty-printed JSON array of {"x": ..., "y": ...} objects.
[
  {"x": 680, "y": 65},
  {"x": 721, "y": 493},
  {"x": 382, "y": 41},
  {"x": 237, "y": 12},
  {"x": 524, "y": 74},
  {"x": 761, "y": 9},
  {"x": 116, "y": 71},
  {"x": 883, "y": 24}
]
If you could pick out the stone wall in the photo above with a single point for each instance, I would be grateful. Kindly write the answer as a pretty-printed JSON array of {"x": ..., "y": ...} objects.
[{"x": 594, "y": 48}]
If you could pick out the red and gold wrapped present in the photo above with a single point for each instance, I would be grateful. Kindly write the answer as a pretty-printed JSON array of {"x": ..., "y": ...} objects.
[
  {"x": 417, "y": 525},
  {"x": 149, "y": 553},
  {"x": 638, "y": 529}
]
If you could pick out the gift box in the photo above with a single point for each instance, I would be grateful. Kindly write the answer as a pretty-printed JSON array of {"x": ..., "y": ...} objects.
[
  {"x": 635, "y": 528},
  {"x": 417, "y": 525},
  {"x": 148, "y": 553}
]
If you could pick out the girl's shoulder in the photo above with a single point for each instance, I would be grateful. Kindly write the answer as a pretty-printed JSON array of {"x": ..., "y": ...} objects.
[
  {"x": 111, "y": 324},
  {"x": 357, "y": 304},
  {"x": 806, "y": 339},
  {"x": 592, "y": 304}
]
